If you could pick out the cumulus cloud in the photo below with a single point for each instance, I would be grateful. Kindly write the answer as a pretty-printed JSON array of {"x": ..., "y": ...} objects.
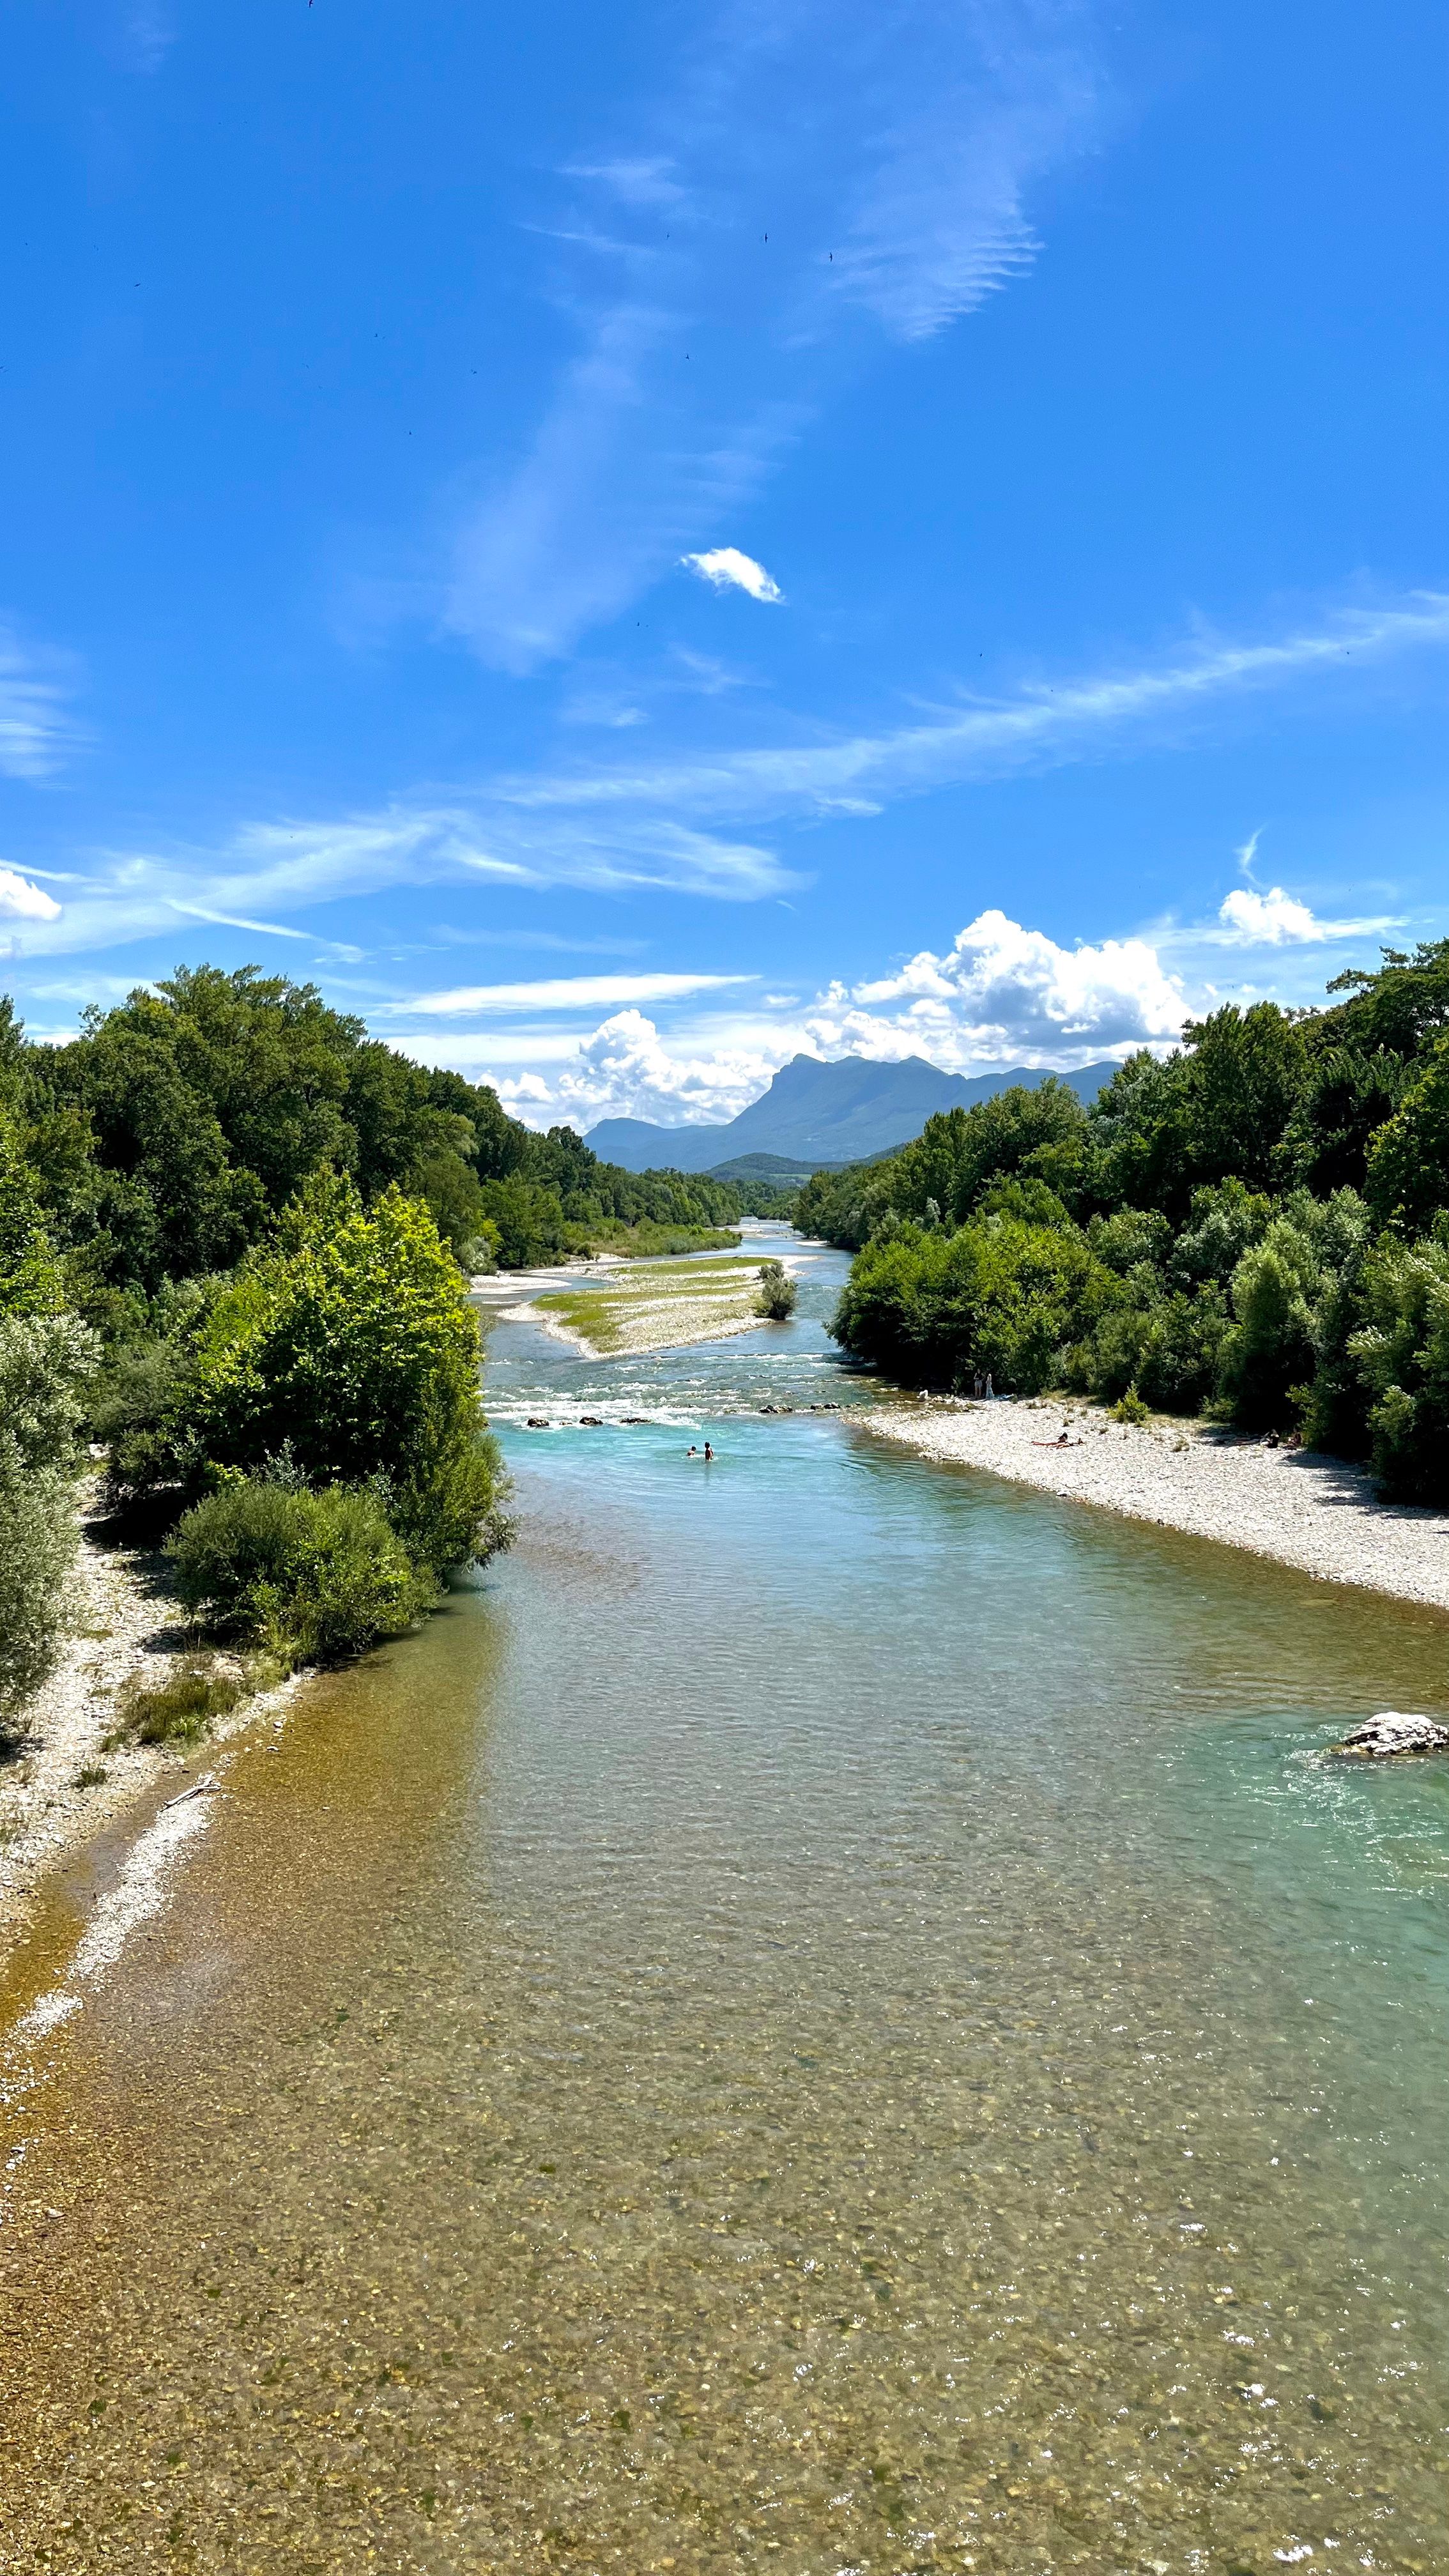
[
  {"x": 1249, "y": 919},
  {"x": 22, "y": 901},
  {"x": 727, "y": 569},
  {"x": 1001, "y": 994},
  {"x": 625, "y": 1070}
]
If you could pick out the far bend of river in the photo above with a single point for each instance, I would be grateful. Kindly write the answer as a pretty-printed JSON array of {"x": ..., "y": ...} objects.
[{"x": 825, "y": 2016}]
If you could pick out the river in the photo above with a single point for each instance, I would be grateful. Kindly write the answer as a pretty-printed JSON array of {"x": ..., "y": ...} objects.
[{"x": 827, "y": 2015}]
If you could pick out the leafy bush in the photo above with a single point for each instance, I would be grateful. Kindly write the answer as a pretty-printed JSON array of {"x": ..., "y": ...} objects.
[
  {"x": 45, "y": 1361},
  {"x": 1167, "y": 1345},
  {"x": 778, "y": 1293},
  {"x": 1402, "y": 1353},
  {"x": 1129, "y": 1407},
  {"x": 312, "y": 1575},
  {"x": 349, "y": 1339},
  {"x": 998, "y": 1295},
  {"x": 141, "y": 1407}
]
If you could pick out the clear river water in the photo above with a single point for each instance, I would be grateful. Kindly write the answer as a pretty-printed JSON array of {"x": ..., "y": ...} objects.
[{"x": 826, "y": 2015}]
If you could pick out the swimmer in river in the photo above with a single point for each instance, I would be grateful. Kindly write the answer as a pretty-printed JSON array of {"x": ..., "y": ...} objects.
[
  {"x": 691, "y": 1451},
  {"x": 709, "y": 1453}
]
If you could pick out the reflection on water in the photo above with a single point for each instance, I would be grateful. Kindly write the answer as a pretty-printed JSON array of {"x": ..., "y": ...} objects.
[{"x": 826, "y": 2017}]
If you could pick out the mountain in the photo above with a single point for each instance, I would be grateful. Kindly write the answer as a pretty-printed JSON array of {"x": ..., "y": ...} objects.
[{"x": 816, "y": 1113}]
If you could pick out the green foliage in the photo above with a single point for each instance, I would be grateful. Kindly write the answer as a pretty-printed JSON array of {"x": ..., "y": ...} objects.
[
  {"x": 1218, "y": 1109},
  {"x": 1402, "y": 1353},
  {"x": 45, "y": 1363},
  {"x": 650, "y": 1242},
  {"x": 1166, "y": 1343},
  {"x": 1130, "y": 1408},
  {"x": 997, "y": 1295},
  {"x": 1408, "y": 1158},
  {"x": 778, "y": 1295},
  {"x": 348, "y": 1343},
  {"x": 313, "y": 1576},
  {"x": 528, "y": 1220},
  {"x": 178, "y": 1710},
  {"x": 959, "y": 1152},
  {"x": 31, "y": 1282}
]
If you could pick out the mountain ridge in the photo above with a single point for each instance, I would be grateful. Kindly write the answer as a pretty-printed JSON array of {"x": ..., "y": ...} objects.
[{"x": 816, "y": 1113}]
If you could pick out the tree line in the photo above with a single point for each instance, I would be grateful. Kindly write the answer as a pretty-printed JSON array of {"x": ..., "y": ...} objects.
[
  {"x": 234, "y": 1233},
  {"x": 1256, "y": 1227}
]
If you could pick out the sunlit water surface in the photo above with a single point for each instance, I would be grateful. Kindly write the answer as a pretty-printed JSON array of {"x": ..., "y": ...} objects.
[{"x": 826, "y": 2016}]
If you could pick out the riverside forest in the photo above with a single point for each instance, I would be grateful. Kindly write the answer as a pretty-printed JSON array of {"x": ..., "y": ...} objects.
[{"x": 1256, "y": 1226}]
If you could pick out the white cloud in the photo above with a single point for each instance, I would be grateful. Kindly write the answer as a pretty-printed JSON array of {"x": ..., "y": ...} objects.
[
  {"x": 1278, "y": 920},
  {"x": 22, "y": 901},
  {"x": 727, "y": 569},
  {"x": 626, "y": 1071},
  {"x": 35, "y": 728},
  {"x": 1002, "y": 994},
  {"x": 567, "y": 993}
]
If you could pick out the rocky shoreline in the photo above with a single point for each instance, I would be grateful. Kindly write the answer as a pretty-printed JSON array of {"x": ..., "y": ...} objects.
[
  {"x": 1293, "y": 1505},
  {"x": 61, "y": 1783}
]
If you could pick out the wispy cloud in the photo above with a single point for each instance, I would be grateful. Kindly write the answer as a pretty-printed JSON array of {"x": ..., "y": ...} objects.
[
  {"x": 1042, "y": 726},
  {"x": 565, "y": 993},
  {"x": 699, "y": 824},
  {"x": 36, "y": 727},
  {"x": 809, "y": 180}
]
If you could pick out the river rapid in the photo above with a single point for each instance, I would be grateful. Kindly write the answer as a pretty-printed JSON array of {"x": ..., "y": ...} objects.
[{"x": 826, "y": 2015}]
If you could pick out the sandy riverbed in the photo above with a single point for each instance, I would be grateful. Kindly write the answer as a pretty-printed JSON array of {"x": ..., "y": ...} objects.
[{"x": 1302, "y": 1509}]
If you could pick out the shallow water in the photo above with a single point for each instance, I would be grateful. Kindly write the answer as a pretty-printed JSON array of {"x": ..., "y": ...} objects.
[{"x": 825, "y": 2016}]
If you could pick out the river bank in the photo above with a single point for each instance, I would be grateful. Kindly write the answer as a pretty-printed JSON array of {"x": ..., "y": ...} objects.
[
  {"x": 61, "y": 1781},
  {"x": 1293, "y": 1505}
]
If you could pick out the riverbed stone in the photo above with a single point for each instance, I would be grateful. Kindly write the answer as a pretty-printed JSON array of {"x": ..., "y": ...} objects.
[{"x": 1393, "y": 1731}]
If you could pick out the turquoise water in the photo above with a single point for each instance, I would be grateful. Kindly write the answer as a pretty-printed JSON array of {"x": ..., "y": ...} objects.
[{"x": 827, "y": 2015}]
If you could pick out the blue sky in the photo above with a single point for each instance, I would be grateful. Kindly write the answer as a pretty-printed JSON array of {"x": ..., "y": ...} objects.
[{"x": 1052, "y": 401}]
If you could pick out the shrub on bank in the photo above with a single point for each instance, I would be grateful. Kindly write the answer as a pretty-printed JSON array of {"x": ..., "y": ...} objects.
[
  {"x": 313, "y": 1576},
  {"x": 778, "y": 1293},
  {"x": 348, "y": 1342}
]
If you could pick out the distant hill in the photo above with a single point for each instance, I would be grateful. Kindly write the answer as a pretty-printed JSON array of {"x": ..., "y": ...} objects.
[
  {"x": 816, "y": 1113},
  {"x": 783, "y": 1169}
]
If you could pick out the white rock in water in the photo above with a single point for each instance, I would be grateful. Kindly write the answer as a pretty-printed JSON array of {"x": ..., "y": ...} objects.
[{"x": 1394, "y": 1731}]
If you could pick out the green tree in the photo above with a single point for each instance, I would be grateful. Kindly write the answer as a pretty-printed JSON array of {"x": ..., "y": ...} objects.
[
  {"x": 1408, "y": 1159},
  {"x": 46, "y": 1360},
  {"x": 997, "y": 1295},
  {"x": 348, "y": 1345},
  {"x": 1402, "y": 1352}
]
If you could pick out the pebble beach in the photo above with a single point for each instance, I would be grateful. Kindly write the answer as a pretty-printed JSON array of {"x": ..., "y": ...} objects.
[{"x": 1294, "y": 1505}]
